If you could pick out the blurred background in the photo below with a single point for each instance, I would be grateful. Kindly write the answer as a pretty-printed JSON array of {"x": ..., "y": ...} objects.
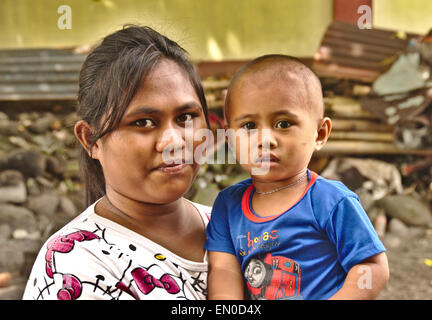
[{"x": 374, "y": 59}]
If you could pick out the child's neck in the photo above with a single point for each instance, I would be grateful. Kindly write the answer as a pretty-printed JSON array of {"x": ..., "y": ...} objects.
[{"x": 275, "y": 202}]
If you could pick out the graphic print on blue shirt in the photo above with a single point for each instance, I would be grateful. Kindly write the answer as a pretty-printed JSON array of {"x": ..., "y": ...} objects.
[
  {"x": 321, "y": 237},
  {"x": 273, "y": 278}
]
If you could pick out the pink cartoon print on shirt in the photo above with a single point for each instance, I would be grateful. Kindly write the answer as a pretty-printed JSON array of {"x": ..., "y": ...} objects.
[
  {"x": 146, "y": 282},
  {"x": 72, "y": 286}
]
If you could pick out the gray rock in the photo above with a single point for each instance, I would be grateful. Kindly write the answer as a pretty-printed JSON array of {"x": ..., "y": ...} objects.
[
  {"x": 398, "y": 228},
  {"x": 17, "y": 217},
  {"x": 45, "y": 225},
  {"x": 12, "y": 187},
  {"x": 366, "y": 199},
  {"x": 29, "y": 163},
  {"x": 32, "y": 187},
  {"x": 5, "y": 231},
  {"x": 67, "y": 207},
  {"x": 55, "y": 167},
  {"x": 44, "y": 205},
  {"x": 407, "y": 209},
  {"x": 9, "y": 128},
  {"x": 24, "y": 234},
  {"x": 42, "y": 124},
  {"x": 230, "y": 180},
  {"x": 392, "y": 241},
  {"x": 13, "y": 251},
  {"x": 3, "y": 116},
  {"x": 373, "y": 213},
  {"x": 13, "y": 292},
  {"x": 206, "y": 196}
]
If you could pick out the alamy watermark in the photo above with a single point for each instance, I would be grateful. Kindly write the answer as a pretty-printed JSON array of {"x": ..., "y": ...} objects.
[
  {"x": 365, "y": 20},
  {"x": 254, "y": 147},
  {"x": 64, "y": 22}
]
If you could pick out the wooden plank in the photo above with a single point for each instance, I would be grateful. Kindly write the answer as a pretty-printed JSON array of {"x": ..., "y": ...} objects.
[
  {"x": 9, "y": 78},
  {"x": 39, "y": 87},
  {"x": 215, "y": 84},
  {"x": 353, "y": 48},
  {"x": 43, "y": 59},
  {"x": 343, "y": 107},
  {"x": 335, "y": 57},
  {"x": 68, "y": 96},
  {"x": 360, "y": 125},
  {"x": 367, "y": 148},
  {"x": 40, "y": 52},
  {"x": 361, "y": 37},
  {"x": 333, "y": 70},
  {"x": 361, "y": 136},
  {"x": 40, "y": 67}
]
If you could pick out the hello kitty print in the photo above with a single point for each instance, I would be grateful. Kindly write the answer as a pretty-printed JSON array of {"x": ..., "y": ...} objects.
[{"x": 93, "y": 258}]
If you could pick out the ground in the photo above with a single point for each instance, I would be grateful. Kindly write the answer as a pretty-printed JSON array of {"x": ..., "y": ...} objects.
[{"x": 410, "y": 277}]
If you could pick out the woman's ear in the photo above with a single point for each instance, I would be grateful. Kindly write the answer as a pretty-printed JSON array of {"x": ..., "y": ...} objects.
[
  {"x": 83, "y": 132},
  {"x": 323, "y": 133}
]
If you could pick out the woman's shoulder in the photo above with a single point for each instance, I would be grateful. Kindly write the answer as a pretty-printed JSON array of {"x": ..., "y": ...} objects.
[{"x": 204, "y": 210}]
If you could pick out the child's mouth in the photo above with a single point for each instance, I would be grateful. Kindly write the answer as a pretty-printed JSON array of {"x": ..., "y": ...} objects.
[{"x": 268, "y": 160}]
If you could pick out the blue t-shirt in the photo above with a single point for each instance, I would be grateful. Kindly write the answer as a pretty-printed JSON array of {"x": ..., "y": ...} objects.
[{"x": 302, "y": 253}]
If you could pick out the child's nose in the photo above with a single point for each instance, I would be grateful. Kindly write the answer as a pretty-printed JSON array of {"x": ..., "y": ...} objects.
[{"x": 267, "y": 139}]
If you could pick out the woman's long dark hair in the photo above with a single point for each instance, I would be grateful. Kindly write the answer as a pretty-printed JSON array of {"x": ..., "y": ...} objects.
[{"x": 108, "y": 81}]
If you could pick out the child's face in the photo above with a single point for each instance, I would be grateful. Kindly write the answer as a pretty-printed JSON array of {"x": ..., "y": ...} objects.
[
  {"x": 132, "y": 155},
  {"x": 292, "y": 125}
]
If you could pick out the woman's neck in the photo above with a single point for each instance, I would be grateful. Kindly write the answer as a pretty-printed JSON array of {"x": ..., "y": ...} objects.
[
  {"x": 176, "y": 226},
  {"x": 142, "y": 217}
]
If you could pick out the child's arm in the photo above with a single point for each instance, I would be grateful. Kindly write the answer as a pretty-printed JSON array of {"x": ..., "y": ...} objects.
[
  {"x": 225, "y": 280},
  {"x": 365, "y": 280}
]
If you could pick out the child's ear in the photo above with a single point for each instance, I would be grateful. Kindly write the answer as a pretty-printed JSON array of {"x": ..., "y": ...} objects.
[
  {"x": 323, "y": 132},
  {"x": 83, "y": 132}
]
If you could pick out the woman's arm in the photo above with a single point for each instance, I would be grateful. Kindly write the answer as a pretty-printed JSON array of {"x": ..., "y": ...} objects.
[
  {"x": 365, "y": 280},
  {"x": 225, "y": 280}
]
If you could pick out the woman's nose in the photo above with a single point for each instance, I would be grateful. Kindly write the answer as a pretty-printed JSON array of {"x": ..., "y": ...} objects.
[{"x": 172, "y": 139}]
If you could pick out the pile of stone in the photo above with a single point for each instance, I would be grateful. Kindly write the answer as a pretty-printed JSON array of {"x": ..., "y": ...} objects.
[
  {"x": 398, "y": 207},
  {"x": 40, "y": 189}
]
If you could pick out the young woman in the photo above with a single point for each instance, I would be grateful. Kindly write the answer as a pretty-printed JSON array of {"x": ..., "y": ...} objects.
[{"x": 138, "y": 238}]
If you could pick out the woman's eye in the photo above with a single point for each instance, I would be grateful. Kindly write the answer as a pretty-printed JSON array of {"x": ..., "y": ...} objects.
[
  {"x": 249, "y": 126},
  {"x": 185, "y": 117},
  {"x": 283, "y": 124},
  {"x": 143, "y": 123}
]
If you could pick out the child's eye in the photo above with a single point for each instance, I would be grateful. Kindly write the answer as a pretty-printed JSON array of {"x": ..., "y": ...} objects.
[
  {"x": 185, "y": 117},
  {"x": 145, "y": 123},
  {"x": 249, "y": 126},
  {"x": 283, "y": 124}
]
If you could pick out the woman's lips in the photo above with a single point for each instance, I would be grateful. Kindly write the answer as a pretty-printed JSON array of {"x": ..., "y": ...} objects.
[{"x": 173, "y": 168}]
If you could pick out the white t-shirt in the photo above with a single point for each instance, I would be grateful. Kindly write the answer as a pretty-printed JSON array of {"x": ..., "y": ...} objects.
[{"x": 95, "y": 258}]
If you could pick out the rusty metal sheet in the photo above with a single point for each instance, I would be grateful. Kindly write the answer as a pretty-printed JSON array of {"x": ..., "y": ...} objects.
[{"x": 39, "y": 74}]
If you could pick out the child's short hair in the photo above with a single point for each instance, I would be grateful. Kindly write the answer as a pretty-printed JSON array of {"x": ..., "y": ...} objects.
[{"x": 279, "y": 61}]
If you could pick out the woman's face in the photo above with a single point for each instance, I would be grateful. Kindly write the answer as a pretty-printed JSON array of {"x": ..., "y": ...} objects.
[{"x": 132, "y": 156}]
